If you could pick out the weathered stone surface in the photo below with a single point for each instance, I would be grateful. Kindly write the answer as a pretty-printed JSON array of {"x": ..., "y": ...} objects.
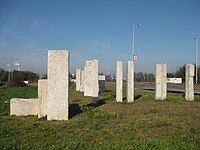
[
  {"x": 58, "y": 79},
  {"x": 82, "y": 81},
  {"x": 42, "y": 97},
  {"x": 130, "y": 81},
  {"x": 78, "y": 79},
  {"x": 91, "y": 85},
  {"x": 189, "y": 83},
  {"x": 102, "y": 82},
  {"x": 119, "y": 81},
  {"x": 23, "y": 107},
  {"x": 161, "y": 82}
]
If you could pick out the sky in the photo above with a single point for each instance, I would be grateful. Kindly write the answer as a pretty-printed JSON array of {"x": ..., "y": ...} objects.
[{"x": 99, "y": 29}]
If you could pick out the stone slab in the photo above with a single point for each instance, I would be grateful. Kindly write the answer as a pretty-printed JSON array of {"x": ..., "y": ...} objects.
[
  {"x": 42, "y": 97},
  {"x": 82, "y": 81},
  {"x": 23, "y": 107},
  {"x": 91, "y": 85},
  {"x": 161, "y": 82},
  {"x": 130, "y": 81},
  {"x": 58, "y": 81},
  {"x": 189, "y": 82},
  {"x": 78, "y": 79},
  {"x": 119, "y": 81}
]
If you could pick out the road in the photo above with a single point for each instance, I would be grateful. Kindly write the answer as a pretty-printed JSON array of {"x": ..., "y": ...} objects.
[{"x": 169, "y": 88}]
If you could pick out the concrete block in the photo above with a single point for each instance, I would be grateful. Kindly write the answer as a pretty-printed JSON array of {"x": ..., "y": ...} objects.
[
  {"x": 161, "y": 82},
  {"x": 119, "y": 81},
  {"x": 82, "y": 81},
  {"x": 42, "y": 97},
  {"x": 78, "y": 79},
  {"x": 130, "y": 81},
  {"x": 23, "y": 107},
  {"x": 102, "y": 82},
  {"x": 58, "y": 81},
  {"x": 189, "y": 82}
]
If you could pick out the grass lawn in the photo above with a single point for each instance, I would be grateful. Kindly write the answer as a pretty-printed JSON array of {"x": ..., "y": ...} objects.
[{"x": 145, "y": 124}]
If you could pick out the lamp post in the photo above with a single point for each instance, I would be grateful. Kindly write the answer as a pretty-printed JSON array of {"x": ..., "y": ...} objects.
[
  {"x": 196, "y": 45},
  {"x": 130, "y": 75},
  {"x": 133, "y": 42}
]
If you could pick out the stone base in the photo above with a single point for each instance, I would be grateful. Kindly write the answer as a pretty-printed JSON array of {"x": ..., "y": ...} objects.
[{"x": 94, "y": 100}]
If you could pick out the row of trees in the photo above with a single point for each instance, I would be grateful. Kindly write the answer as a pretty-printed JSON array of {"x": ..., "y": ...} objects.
[
  {"x": 17, "y": 76},
  {"x": 180, "y": 73},
  {"x": 150, "y": 77}
]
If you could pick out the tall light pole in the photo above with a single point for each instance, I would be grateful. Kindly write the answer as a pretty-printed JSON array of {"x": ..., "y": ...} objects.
[
  {"x": 108, "y": 69},
  {"x": 196, "y": 45},
  {"x": 133, "y": 42}
]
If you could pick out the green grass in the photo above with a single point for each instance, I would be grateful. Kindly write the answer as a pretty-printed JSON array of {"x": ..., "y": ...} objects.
[{"x": 145, "y": 124}]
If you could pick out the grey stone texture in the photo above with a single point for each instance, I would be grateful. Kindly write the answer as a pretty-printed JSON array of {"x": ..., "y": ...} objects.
[
  {"x": 119, "y": 81},
  {"x": 161, "y": 82},
  {"x": 78, "y": 79},
  {"x": 42, "y": 97},
  {"x": 189, "y": 83},
  {"x": 58, "y": 80},
  {"x": 91, "y": 78},
  {"x": 102, "y": 82},
  {"x": 23, "y": 107},
  {"x": 130, "y": 81}
]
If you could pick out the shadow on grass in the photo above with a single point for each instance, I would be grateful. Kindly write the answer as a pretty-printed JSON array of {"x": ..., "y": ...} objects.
[
  {"x": 75, "y": 109},
  {"x": 99, "y": 103},
  {"x": 136, "y": 97},
  {"x": 106, "y": 91}
]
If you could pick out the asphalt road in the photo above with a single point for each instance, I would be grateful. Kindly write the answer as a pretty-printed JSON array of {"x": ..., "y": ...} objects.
[{"x": 169, "y": 89}]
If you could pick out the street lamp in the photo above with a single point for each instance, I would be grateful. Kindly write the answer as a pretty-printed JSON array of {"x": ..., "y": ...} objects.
[
  {"x": 196, "y": 43},
  {"x": 133, "y": 43}
]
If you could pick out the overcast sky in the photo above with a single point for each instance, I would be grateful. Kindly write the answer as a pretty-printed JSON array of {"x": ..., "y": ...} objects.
[{"x": 99, "y": 29}]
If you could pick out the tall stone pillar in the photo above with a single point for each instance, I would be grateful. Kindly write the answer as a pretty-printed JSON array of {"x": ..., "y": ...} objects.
[
  {"x": 189, "y": 83},
  {"x": 161, "y": 81},
  {"x": 130, "y": 81},
  {"x": 82, "y": 81},
  {"x": 58, "y": 80},
  {"x": 78, "y": 79},
  {"x": 119, "y": 81},
  {"x": 42, "y": 98},
  {"x": 91, "y": 79}
]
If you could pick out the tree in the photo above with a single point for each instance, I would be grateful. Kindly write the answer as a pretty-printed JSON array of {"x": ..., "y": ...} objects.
[
  {"x": 3, "y": 75},
  {"x": 170, "y": 75},
  {"x": 180, "y": 73}
]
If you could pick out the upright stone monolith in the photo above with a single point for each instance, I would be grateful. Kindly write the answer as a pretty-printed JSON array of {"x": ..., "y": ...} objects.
[
  {"x": 78, "y": 79},
  {"x": 130, "y": 81},
  {"x": 91, "y": 85},
  {"x": 119, "y": 81},
  {"x": 189, "y": 83},
  {"x": 161, "y": 82},
  {"x": 82, "y": 81},
  {"x": 58, "y": 79},
  {"x": 42, "y": 98}
]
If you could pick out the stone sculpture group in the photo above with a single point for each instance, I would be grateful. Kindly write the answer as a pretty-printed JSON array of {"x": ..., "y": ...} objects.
[{"x": 53, "y": 93}]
